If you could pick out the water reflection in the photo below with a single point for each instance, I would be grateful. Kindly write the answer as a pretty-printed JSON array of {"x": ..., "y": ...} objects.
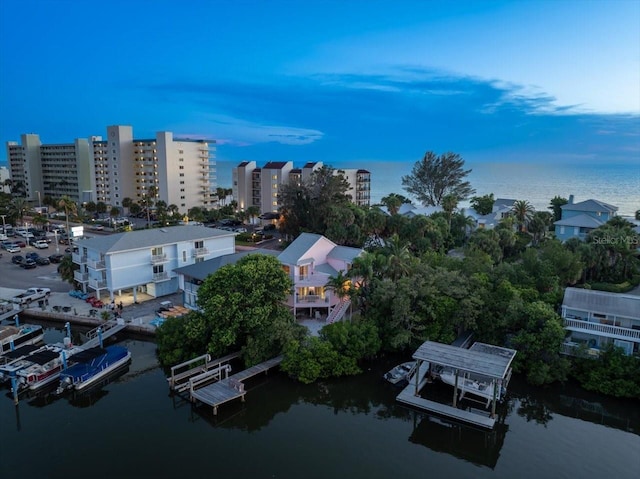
[{"x": 478, "y": 446}]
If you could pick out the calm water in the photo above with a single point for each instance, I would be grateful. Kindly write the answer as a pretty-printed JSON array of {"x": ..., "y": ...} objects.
[
  {"x": 347, "y": 428},
  {"x": 618, "y": 185}
]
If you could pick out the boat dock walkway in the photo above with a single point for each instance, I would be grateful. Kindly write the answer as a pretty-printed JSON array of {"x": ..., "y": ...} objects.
[
  {"x": 231, "y": 387},
  {"x": 107, "y": 329},
  {"x": 407, "y": 397},
  {"x": 182, "y": 379}
]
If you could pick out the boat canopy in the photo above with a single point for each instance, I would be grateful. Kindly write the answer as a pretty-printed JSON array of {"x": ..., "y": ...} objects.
[
  {"x": 21, "y": 351},
  {"x": 88, "y": 354},
  {"x": 43, "y": 357}
]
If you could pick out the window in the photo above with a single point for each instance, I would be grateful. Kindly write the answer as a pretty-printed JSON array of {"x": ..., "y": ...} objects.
[
  {"x": 181, "y": 174},
  {"x": 200, "y": 259},
  {"x": 182, "y": 167},
  {"x": 156, "y": 251},
  {"x": 199, "y": 244},
  {"x": 184, "y": 256},
  {"x": 159, "y": 268}
]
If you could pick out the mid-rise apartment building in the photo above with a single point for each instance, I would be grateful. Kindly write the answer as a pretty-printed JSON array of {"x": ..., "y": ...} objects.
[
  {"x": 181, "y": 170},
  {"x": 254, "y": 186}
]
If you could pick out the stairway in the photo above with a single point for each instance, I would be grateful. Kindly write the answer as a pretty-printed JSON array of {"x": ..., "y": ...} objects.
[{"x": 338, "y": 311}]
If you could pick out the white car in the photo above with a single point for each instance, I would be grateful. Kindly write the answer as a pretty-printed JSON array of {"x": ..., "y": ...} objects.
[
  {"x": 13, "y": 249},
  {"x": 40, "y": 244},
  {"x": 3, "y": 237}
]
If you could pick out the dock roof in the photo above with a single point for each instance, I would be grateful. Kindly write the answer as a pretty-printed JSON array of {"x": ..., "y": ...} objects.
[{"x": 484, "y": 359}]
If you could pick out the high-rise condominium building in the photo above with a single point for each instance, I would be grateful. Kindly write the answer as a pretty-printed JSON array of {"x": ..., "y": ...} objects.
[
  {"x": 253, "y": 186},
  {"x": 182, "y": 171}
]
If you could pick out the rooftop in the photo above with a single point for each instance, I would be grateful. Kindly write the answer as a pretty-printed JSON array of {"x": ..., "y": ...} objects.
[
  {"x": 150, "y": 238},
  {"x": 201, "y": 271},
  {"x": 590, "y": 205},
  {"x": 581, "y": 221},
  {"x": 483, "y": 359},
  {"x": 601, "y": 302}
]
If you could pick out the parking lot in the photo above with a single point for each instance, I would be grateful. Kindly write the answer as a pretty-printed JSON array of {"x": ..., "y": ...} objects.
[{"x": 13, "y": 276}]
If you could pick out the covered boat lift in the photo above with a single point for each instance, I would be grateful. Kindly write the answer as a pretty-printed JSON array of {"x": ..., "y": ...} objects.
[{"x": 485, "y": 363}]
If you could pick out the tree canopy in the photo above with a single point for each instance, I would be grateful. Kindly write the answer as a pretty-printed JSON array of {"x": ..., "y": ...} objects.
[{"x": 435, "y": 177}]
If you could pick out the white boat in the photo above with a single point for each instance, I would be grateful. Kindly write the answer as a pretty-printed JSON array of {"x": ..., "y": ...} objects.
[
  {"x": 44, "y": 367},
  {"x": 400, "y": 373},
  {"x": 469, "y": 385},
  {"x": 12, "y": 337}
]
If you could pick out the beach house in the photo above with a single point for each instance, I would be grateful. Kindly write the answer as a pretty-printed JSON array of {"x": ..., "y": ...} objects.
[{"x": 578, "y": 219}]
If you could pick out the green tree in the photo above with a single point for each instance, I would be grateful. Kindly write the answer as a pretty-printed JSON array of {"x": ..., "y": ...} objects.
[
  {"x": 126, "y": 203},
  {"x": 557, "y": 202},
  {"x": 66, "y": 269},
  {"x": 393, "y": 202},
  {"x": 70, "y": 207},
  {"x": 483, "y": 205},
  {"x": 101, "y": 207},
  {"x": 243, "y": 307},
  {"x": 523, "y": 211},
  {"x": 18, "y": 208},
  {"x": 434, "y": 177}
]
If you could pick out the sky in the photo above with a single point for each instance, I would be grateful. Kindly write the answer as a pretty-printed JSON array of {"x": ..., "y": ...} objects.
[{"x": 333, "y": 81}]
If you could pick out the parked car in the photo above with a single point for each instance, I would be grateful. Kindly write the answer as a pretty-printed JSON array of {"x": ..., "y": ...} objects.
[
  {"x": 17, "y": 259},
  {"x": 40, "y": 244},
  {"x": 56, "y": 258},
  {"x": 32, "y": 255},
  {"x": 42, "y": 261},
  {"x": 20, "y": 243},
  {"x": 5, "y": 244},
  {"x": 28, "y": 264},
  {"x": 240, "y": 230},
  {"x": 13, "y": 248}
]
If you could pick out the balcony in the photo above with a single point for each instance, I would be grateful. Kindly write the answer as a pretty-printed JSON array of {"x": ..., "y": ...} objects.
[
  {"x": 604, "y": 330},
  {"x": 198, "y": 252},
  {"x": 78, "y": 258},
  {"x": 80, "y": 277},
  {"x": 158, "y": 258},
  {"x": 96, "y": 265},
  {"x": 97, "y": 284},
  {"x": 577, "y": 349},
  {"x": 157, "y": 277}
]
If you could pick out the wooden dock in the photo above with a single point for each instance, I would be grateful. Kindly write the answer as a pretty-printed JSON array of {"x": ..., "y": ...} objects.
[
  {"x": 232, "y": 387},
  {"x": 407, "y": 397},
  {"x": 180, "y": 376},
  {"x": 108, "y": 328}
]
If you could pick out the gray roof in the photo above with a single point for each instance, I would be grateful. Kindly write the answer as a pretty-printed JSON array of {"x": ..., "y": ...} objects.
[
  {"x": 601, "y": 302},
  {"x": 326, "y": 268},
  {"x": 295, "y": 251},
  {"x": 484, "y": 359},
  {"x": 150, "y": 238},
  {"x": 581, "y": 221},
  {"x": 345, "y": 253},
  {"x": 205, "y": 268},
  {"x": 504, "y": 202},
  {"x": 590, "y": 205}
]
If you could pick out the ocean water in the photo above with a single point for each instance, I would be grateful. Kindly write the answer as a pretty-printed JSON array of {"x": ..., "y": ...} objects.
[{"x": 618, "y": 185}]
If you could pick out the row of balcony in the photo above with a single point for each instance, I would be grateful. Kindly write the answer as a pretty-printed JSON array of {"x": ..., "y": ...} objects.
[{"x": 606, "y": 330}]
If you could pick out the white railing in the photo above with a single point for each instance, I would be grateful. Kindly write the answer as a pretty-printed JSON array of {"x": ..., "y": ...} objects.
[
  {"x": 573, "y": 349},
  {"x": 97, "y": 284},
  {"x": 97, "y": 265},
  {"x": 338, "y": 312},
  {"x": 160, "y": 276},
  {"x": 311, "y": 298},
  {"x": 78, "y": 258},
  {"x": 603, "y": 329},
  {"x": 80, "y": 277},
  {"x": 196, "y": 252},
  {"x": 158, "y": 258}
]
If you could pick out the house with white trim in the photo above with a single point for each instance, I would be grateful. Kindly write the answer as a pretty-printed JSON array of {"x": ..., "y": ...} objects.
[
  {"x": 579, "y": 219},
  {"x": 310, "y": 260},
  {"x": 145, "y": 261},
  {"x": 596, "y": 319}
]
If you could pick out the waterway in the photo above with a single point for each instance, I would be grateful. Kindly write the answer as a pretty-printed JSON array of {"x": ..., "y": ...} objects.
[{"x": 133, "y": 428}]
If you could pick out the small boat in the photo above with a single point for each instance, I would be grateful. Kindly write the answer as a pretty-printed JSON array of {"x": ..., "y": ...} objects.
[
  {"x": 482, "y": 388},
  {"x": 44, "y": 367},
  {"x": 12, "y": 337},
  {"x": 91, "y": 366},
  {"x": 400, "y": 373}
]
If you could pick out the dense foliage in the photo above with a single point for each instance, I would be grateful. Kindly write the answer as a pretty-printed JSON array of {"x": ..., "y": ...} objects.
[
  {"x": 436, "y": 176},
  {"x": 614, "y": 373},
  {"x": 242, "y": 309}
]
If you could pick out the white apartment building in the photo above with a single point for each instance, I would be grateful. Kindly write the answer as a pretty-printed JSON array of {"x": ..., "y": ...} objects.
[
  {"x": 182, "y": 170},
  {"x": 253, "y": 186},
  {"x": 144, "y": 261}
]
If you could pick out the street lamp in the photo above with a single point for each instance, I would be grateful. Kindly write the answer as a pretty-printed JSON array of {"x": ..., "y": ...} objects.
[
  {"x": 39, "y": 201},
  {"x": 4, "y": 226}
]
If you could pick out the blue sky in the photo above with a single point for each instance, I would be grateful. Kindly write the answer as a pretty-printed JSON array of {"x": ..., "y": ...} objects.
[{"x": 338, "y": 81}]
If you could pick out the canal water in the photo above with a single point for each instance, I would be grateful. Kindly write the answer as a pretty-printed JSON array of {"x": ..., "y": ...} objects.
[{"x": 132, "y": 427}]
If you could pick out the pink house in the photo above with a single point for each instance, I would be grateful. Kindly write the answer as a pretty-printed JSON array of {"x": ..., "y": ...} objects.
[{"x": 310, "y": 261}]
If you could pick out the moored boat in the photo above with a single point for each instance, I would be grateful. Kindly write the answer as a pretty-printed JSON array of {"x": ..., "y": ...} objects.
[
  {"x": 400, "y": 373},
  {"x": 44, "y": 366},
  {"x": 12, "y": 337},
  {"x": 92, "y": 365}
]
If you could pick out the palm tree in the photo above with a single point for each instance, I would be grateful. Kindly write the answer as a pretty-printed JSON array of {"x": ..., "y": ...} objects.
[
  {"x": 253, "y": 212},
  {"x": 18, "y": 208},
  {"x": 114, "y": 212},
  {"x": 341, "y": 286},
  {"x": 449, "y": 203},
  {"x": 126, "y": 203},
  {"x": 8, "y": 183},
  {"x": 69, "y": 206},
  {"x": 523, "y": 211},
  {"x": 399, "y": 258},
  {"x": 148, "y": 202}
]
